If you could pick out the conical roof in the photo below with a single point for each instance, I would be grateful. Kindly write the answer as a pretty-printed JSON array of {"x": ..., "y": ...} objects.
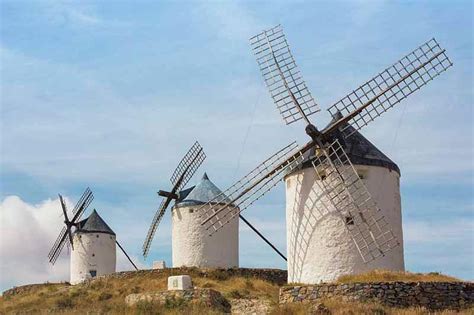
[
  {"x": 202, "y": 193},
  {"x": 94, "y": 224},
  {"x": 359, "y": 150}
]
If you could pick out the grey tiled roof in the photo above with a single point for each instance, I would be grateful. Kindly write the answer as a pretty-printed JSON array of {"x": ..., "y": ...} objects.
[
  {"x": 202, "y": 193},
  {"x": 359, "y": 150},
  {"x": 94, "y": 224}
]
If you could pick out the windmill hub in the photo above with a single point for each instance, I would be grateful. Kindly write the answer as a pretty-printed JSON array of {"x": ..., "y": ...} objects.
[
  {"x": 168, "y": 194},
  {"x": 312, "y": 131}
]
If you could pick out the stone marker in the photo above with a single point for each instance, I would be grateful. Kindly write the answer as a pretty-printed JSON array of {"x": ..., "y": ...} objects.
[
  {"x": 180, "y": 282},
  {"x": 159, "y": 264}
]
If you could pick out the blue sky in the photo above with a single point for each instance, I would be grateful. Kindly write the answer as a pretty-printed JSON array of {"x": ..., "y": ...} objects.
[{"x": 111, "y": 94}]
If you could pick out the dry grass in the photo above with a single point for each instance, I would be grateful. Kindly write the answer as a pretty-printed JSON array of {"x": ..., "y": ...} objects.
[
  {"x": 107, "y": 295},
  {"x": 338, "y": 307},
  {"x": 393, "y": 276}
]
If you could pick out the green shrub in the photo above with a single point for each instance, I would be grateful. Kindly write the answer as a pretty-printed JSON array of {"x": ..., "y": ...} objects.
[{"x": 173, "y": 303}]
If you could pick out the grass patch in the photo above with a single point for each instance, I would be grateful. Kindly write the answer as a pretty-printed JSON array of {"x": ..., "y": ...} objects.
[
  {"x": 64, "y": 303},
  {"x": 339, "y": 307},
  {"x": 395, "y": 276},
  {"x": 104, "y": 296},
  {"x": 108, "y": 295}
]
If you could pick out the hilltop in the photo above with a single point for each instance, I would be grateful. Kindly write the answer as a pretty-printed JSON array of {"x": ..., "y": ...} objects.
[{"x": 247, "y": 291}]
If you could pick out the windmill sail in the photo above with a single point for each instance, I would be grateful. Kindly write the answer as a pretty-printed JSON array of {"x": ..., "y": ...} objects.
[
  {"x": 57, "y": 246},
  {"x": 185, "y": 170},
  {"x": 215, "y": 214},
  {"x": 282, "y": 77},
  {"x": 154, "y": 225},
  {"x": 188, "y": 166},
  {"x": 79, "y": 209},
  {"x": 346, "y": 193},
  {"x": 86, "y": 196},
  {"x": 391, "y": 86}
]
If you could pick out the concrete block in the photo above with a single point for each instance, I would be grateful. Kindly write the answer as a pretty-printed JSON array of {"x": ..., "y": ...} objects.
[
  {"x": 159, "y": 264},
  {"x": 180, "y": 282}
]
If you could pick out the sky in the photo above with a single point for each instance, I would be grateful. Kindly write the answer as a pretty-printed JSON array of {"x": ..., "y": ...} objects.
[{"x": 110, "y": 95}]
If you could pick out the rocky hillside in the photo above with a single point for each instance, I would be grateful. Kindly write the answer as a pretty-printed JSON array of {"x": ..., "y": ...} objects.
[{"x": 244, "y": 291}]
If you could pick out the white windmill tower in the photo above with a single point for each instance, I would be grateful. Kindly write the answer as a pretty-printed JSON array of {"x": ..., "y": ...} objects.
[
  {"x": 191, "y": 244},
  {"x": 335, "y": 224},
  {"x": 93, "y": 250}
]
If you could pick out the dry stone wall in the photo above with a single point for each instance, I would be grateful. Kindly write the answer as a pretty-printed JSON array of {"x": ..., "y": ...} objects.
[
  {"x": 208, "y": 297},
  {"x": 276, "y": 276},
  {"x": 431, "y": 295}
]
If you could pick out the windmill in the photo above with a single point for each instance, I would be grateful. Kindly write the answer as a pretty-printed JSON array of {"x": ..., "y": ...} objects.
[
  {"x": 343, "y": 189},
  {"x": 185, "y": 170},
  {"x": 66, "y": 235}
]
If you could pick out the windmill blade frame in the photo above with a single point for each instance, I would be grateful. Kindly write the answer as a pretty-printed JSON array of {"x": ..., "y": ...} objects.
[
  {"x": 185, "y": 170},
  {"x": 282, "y": 76},
  {"x": 79, "y": 209},
  {"x": 52, "y": 255},
  {"x": 390, "y": 87},
  {"x": 82, "y": 205},
  {"x": 346, "y": 193},
  {"x": 85, "y": 195},
  {"x": 216, "y": 213},
  {"x": 154, "y": 225},
  {"x": 188, "y": 165}
]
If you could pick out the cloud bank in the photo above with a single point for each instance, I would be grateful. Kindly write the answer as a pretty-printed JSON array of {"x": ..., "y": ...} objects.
[{"x": 28, "y": 232}]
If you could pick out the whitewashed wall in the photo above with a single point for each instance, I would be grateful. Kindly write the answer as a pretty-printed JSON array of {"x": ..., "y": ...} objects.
[
  {"x": 92, "y": 251},
  {"x": 193, "y": 247},
  {"x": 319, "y": 247}
]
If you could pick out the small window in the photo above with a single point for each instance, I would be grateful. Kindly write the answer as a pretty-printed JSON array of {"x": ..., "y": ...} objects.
[
  {"x": 362, "y": 174},
  {"x": 93, "y": 255},
  {"x": 93, "y": 273},
  {"x": 191, "y": 210},
  {"x": 349, "y": 221},
  {"x": 97, "y": 235}
]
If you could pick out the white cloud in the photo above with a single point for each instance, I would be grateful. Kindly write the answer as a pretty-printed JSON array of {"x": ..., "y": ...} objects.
[{"x": 28, "y": 232}]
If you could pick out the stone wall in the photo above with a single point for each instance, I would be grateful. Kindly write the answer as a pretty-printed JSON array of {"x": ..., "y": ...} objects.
[
  {"x": 431, "y": 295},
  {"x": 208, "y": 297},
  {"x": 276, "y": 276}
]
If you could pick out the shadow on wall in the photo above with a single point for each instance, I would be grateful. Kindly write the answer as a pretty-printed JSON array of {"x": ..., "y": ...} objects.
[{"x": 303, "y": 226}]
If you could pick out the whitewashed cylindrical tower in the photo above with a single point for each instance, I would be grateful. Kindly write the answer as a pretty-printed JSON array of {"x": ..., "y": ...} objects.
[
  {"x": 94, "y": 252},
  {"x": 319, "y": 247},
  {"x": 191, "y": 244}
]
